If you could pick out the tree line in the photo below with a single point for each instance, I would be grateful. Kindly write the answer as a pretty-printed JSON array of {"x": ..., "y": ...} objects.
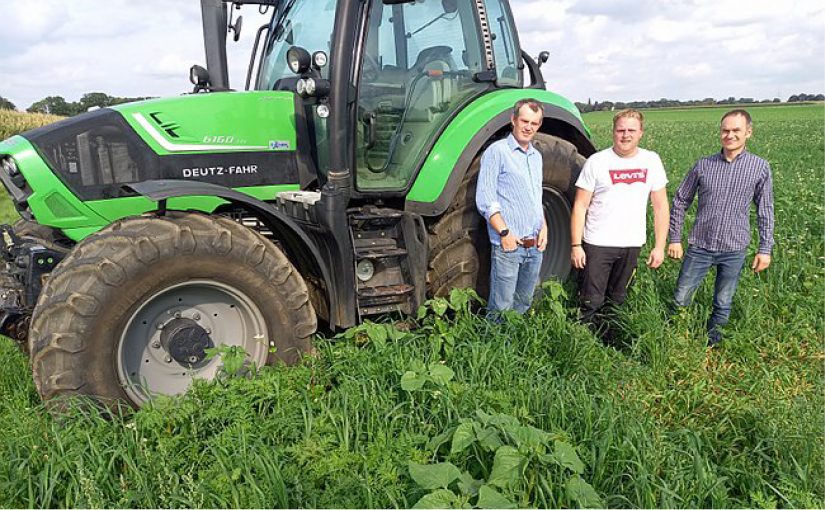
[
  {"x": 596, "y": 106},
  {"x": 57, "y": 105}
]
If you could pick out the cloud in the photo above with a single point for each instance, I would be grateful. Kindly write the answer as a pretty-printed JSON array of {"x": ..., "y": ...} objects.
[{"x": 618, "y": 50}]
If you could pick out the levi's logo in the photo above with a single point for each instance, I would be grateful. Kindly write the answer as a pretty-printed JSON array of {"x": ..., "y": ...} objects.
[{"x": 628, "y": 176}]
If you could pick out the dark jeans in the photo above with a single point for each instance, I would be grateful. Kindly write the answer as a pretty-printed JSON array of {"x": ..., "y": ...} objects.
[
  {"x": 607, "y": 274},
  {"x": 695, "y": 267},
  {"x": 513, "y": 278}
]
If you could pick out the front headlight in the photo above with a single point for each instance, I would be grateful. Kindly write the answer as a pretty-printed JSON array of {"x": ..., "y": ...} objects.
[
  {"x": 10, "y": 166},
  {"x": 298, "y": 59}
]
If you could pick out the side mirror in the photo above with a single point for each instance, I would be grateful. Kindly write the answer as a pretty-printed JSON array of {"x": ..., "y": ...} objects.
[
  {"x": 199, "y": 78},
  {"x": 543, "y": 57}
]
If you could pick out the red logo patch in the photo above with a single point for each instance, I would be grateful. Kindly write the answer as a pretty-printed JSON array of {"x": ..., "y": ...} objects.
[{"x": 628, "y": 176}]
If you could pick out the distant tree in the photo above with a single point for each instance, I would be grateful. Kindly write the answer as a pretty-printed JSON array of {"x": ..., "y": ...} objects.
[
  {"x": 5, "y": 104},
  {"x": 794, "y": 98},
  {"x": 54, "y": 105},
  {"x": 98, "y": 99},
  {"x": 777, "y": 100},
  {"x": 819, "y": 97}
]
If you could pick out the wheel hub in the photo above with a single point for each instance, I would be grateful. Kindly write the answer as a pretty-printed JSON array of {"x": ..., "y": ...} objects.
[{"x": 186, "y": 342}]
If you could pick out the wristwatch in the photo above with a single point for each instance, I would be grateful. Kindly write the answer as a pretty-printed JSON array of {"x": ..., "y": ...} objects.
[{"x": 504, "y": 233}]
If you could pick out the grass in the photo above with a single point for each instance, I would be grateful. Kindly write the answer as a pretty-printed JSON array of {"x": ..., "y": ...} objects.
[{"x": 660, "y": 422}]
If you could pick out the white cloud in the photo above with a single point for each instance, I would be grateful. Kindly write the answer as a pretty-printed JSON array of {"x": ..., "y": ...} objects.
[{"x": 618, "y": 50}]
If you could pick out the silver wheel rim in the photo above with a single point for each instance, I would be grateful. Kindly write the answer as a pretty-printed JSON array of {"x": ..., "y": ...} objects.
[{"x": 156, "y": 353}]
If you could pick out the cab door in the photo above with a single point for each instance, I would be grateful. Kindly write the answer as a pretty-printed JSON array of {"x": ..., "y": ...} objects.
[{"x": 421, "y": 63}]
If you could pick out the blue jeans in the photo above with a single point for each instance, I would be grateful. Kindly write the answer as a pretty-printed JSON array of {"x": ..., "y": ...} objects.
[
  {"x": 696, "y": 265},
  {"x": 513, "y": 278}
]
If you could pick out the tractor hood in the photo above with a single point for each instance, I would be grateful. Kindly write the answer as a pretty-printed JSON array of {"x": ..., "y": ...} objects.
[{"x": 233, "y": 139}]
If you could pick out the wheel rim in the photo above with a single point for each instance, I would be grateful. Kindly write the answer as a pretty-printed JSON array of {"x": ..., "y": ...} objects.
[
  {"x": 161, "y": 348},
  {"x": 556, "y": 261}
]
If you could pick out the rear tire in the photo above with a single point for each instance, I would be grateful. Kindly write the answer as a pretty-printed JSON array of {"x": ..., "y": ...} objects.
[
  {"x": 129, "y": 313},
  {"x": 459, "y": 245}
]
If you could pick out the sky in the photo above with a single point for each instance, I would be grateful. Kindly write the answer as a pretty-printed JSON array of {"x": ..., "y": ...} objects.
[{"x": 618, "y": 50}]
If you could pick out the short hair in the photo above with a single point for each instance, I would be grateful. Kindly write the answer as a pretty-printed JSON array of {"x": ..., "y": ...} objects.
[
  {"x": 534, "y": 105},
  {"x": 629, "y": 113},
  {"x": 735, "y": 112}
]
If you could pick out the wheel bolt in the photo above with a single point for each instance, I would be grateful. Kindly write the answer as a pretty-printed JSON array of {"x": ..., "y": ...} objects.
[
  {"x": 159, "y": 325},
  {"x": 193, "y": 359},
  {"x": 168, "y": 359},
  {"x": 196, "y": 316},
  {"x": 156, "y": 344},
  {"x": 208, "y": 331},
  {"x": 177, "y": 315}
]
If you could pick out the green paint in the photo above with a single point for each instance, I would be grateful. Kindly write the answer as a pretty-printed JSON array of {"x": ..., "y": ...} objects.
[
  {"x": 443, "y": 157},
  {"x": 51, "y": 202},
  {"x": 54, "y": 205},
  {"x": 216, "y": 122}
]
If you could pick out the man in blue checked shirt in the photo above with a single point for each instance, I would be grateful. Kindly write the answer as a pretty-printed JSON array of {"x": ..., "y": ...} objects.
[
  {"x": 508, "y": 195},
  {"x": 727, "y": 183}
]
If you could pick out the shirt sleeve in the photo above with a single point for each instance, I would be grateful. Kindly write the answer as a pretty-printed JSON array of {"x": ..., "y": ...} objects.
[
  {"x": 659, "y": 177},
  {"x": 587, "y": 177},
  {"x": 486, "y": 196},
  {"x": 681, "y": 201},
  {"x": 763, "y": 198}
]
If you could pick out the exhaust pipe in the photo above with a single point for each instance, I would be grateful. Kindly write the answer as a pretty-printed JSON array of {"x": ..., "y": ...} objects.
[{"x": 214, "y": 17}]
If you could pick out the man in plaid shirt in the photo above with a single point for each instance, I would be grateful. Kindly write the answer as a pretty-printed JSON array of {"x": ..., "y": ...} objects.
[{"x": 726, "y": 183}]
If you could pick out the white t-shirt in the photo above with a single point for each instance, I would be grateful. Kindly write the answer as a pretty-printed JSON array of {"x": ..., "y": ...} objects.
[{"x": 617, "y": 215}]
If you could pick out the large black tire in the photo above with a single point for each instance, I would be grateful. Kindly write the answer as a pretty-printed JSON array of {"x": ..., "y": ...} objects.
[
  {"x": 459, "y": 246},
  {"x": 128, "y": 313}
]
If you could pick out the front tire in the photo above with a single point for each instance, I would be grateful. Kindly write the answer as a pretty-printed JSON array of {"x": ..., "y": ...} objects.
[{"x": 129, "y": 314}]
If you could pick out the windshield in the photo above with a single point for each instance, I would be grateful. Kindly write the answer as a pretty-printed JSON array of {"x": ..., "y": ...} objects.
[{"x": 304, "y": 23}]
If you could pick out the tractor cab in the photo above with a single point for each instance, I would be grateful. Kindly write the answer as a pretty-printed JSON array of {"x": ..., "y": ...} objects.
[{"x": 415, "y": 64}]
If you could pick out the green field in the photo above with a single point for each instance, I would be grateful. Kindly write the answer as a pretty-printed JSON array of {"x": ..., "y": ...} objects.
[{"x": 492, "y": 410}]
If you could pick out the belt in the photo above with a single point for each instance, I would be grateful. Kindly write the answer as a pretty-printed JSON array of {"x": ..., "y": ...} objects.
[{"x": 529, "y": 242}]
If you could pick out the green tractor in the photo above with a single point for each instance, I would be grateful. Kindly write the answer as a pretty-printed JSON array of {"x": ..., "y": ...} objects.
[{"x": 339, "y": 186}]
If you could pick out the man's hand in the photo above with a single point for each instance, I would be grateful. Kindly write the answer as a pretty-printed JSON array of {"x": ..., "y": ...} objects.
[
  {"x": 543, "y": 238},
  {"x": 761, "y": 262},
  {"x": 577, "y": 257},
  {"x": 509, "y": 242},
  {"x": 656, "y": 257},
  {"x": 674, "y": 250}
]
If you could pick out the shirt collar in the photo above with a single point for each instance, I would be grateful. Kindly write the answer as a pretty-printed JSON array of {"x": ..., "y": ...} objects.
[
  {"x": 721, "y": 155},
  {"x": 513, "y": 144}
]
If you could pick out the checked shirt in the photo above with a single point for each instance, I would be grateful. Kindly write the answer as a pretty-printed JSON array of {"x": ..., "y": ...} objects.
[{"x": 726, "y": 191}]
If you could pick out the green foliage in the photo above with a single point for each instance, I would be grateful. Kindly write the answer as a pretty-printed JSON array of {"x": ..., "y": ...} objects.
[
  {"x": 233, "y": 359},
  {"x": 5, "y": 104},
  {"x": 516, "y": 456},
  {"x": 661, "y": 422},
  {"x": 53, "y": 105},
  {"x": 57, "y": 105}
]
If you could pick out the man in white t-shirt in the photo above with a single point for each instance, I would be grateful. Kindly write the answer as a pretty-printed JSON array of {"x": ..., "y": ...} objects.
[{"x": 608, "y": 225}]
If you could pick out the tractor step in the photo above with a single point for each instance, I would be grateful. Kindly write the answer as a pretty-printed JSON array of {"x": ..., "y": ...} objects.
[
  {"x": 390, "y": 251},
  {"x": 389, "y": 291},
  {"x": 379, "y": 253},
  {"x": 384, "y": 299}
]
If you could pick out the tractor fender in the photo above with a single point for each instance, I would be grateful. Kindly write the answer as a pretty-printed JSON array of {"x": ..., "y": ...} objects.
[
  {"x": 557, "y": 122},
  {"x": 295, "y": 239}
]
